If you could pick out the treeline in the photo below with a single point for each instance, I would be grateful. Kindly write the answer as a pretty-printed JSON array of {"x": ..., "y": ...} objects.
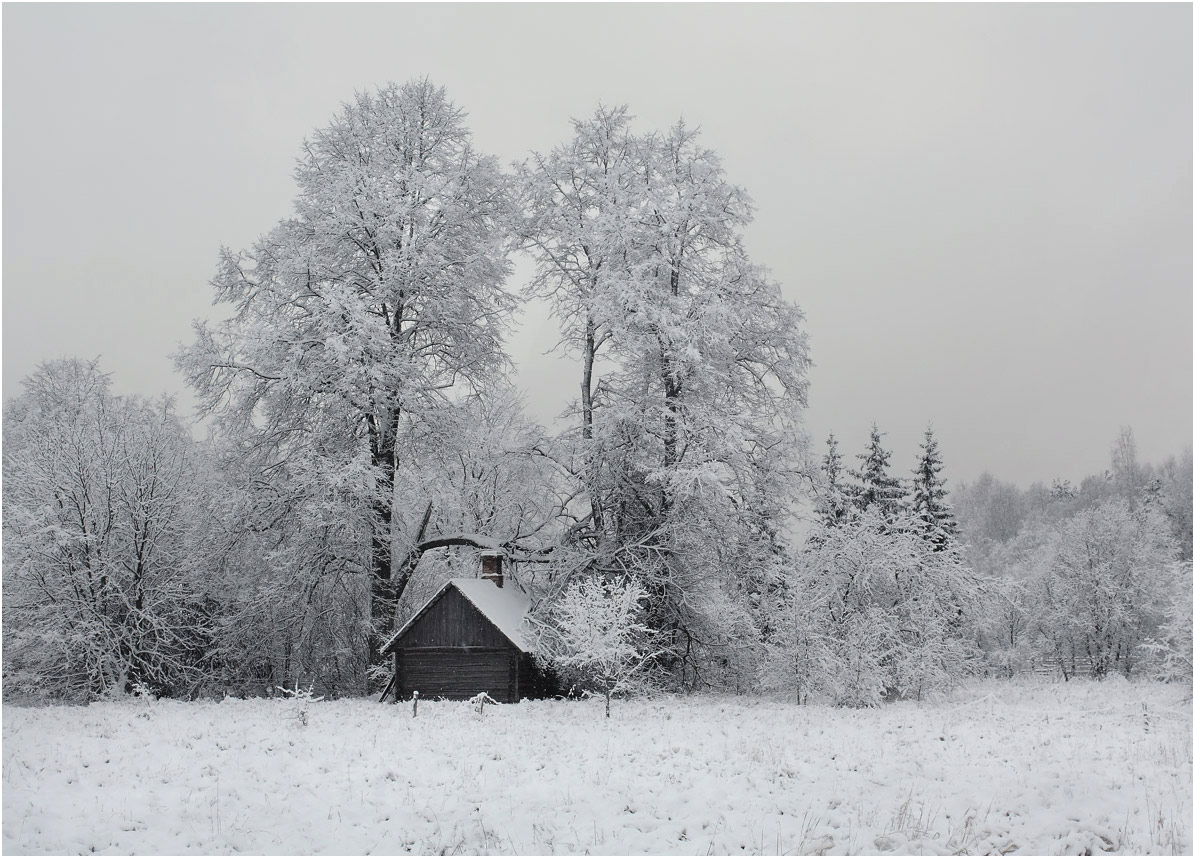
[
  {"x": 364, "y": 443},
  {"x": 1089, "y": 579},
  {"x": 900, "y": 590}
]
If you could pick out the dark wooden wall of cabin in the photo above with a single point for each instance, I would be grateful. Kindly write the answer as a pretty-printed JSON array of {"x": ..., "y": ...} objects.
[
  {"x": 453, "y": 651},
  {"x": 458, "y": 673},
  {"x": 452, "y": 621}
]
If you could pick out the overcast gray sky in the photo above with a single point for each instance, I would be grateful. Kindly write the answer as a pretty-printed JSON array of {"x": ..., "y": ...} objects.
[{"x": 984, "y": 210}]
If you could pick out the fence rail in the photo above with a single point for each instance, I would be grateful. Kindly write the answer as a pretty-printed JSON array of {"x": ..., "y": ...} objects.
[{"x": 1053, "y": 665}]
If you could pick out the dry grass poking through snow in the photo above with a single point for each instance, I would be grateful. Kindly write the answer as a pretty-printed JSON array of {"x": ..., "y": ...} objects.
[{"x": 1037, "y": 769}]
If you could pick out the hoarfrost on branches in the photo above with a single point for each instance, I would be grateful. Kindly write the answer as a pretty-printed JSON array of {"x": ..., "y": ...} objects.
[
  {"x": 100, "y": 494},
  {"x": 380, "y": 301},
  {"x": 693, "y": 380},
  {"x": 873, "y": 611},
  {"x": 595, "y": 633}
]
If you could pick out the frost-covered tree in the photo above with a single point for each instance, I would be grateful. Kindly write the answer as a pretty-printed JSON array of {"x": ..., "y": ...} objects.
[
  {"x": 875, "y": 486},
  {"x": 989, "y": 510},
  {"x": 1171, "y": 648},
  {"x": 99, "y": 589},
  {"x": 286, "y": 558},
  {"x": 595, "y": 634},
  {"x": 873, "y": 611},
  {"x": 928, "y": 503},
  {"x": 478, "y": 475},
  {"x": 1127, "y": 473},
  {"x": 376, "y": 304},
  {"x": 1105, "y": 584},
  {"x": 479, "y": 464},
  {"x": 1072, "y": 615},
  {"x": 1174, "y": 493},
  {"x": 581, "y": 200},
  {"x": 692, "y": 377},
  {"x": 833, "y": 505},
  {"x": 1008, "y": 628}
]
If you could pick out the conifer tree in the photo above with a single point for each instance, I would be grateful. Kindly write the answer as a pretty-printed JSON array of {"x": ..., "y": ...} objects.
[
  {"x": 929, "y": 495},
  {"x": 834, "y": 506},
  {"x": 876, "y": 487}
]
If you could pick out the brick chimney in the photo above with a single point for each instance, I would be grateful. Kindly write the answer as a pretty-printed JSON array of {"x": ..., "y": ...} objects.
[{"x": 491, "y": 567}]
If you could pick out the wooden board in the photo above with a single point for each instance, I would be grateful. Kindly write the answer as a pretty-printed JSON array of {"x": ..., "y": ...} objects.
[
  {"x": 458, "y": 674},
  {"x": 452, "y": 621}
]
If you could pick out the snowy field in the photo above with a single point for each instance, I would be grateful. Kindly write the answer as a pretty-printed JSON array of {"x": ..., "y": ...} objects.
[{"x": 1079, "y": 768}]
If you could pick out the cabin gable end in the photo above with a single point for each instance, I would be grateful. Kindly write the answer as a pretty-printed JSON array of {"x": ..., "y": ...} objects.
[{"x": 450, "y": 620}]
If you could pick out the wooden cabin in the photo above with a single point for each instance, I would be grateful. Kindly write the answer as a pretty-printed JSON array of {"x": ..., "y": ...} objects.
[{"x": 468, "y": 638}]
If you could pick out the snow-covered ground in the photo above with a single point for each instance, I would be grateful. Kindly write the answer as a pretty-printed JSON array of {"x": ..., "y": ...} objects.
[{"x": 1030, "y": 768}]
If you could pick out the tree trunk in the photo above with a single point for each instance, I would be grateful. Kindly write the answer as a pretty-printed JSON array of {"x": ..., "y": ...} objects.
[
  {"x": 401, "y": 576},
  {"x": 382, "y": 596},
  {"x": 672, "y": 393},
  {"x": 591, "y": 467}
]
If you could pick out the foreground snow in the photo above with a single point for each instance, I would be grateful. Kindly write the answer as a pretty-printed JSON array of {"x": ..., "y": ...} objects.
[{"x": 1038, "y": 769}]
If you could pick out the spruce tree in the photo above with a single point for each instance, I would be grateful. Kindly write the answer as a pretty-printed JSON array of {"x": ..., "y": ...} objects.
[
  {"x": 833, "y": 506},
  {"x": 929, "y": 495},
  {"x": 876, "y": 487}
]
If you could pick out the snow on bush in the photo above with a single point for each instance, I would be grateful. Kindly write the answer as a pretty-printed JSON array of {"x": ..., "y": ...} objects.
[
  {"x": 1105, "y": 584},
  {"x": 1023, "y": 768},
  {"x": 1172, "y": 649},
  {"x": 872, "y": 611},
  {"x": 595, "y": 635}
]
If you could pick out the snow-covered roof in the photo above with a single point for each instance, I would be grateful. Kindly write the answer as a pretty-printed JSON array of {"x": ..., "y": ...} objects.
[{"x": 505, "y": 607}]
